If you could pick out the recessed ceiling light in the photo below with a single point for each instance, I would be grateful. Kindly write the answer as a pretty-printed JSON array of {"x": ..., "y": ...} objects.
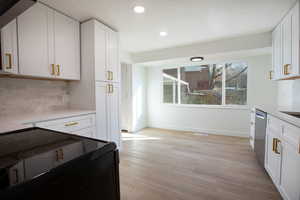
[
  {"x": 139, "y": 9},
  {"x": 163, "y": 33},
  {"x": 197, "y": 59}
]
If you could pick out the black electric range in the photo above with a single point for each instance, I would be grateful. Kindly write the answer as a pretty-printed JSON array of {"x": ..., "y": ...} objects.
[{"x": 40, "y": 164}]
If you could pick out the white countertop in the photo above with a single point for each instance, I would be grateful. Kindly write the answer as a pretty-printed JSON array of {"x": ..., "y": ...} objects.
[
  {"x": 278, "y": 112},
  {"x": 21, "y": 121}
]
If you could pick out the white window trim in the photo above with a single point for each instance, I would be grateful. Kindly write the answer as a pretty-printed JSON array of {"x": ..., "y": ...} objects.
[{"x": 222, "y": 106}]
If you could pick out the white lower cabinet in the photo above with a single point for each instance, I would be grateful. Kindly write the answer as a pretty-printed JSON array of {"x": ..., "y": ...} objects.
[
  {"x": 107, "y": 109},
  {"x": 283, "y": 157},
  {"x": 273, "y": 156},
  {"x": 44, "y": 162},
  {"x": 290, "y": 178},
  {"x": 84, "y": 125}
]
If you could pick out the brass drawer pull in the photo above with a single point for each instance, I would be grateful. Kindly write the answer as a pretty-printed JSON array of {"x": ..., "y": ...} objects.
[
  {"x": 9, "y": 56},
  {"x": 112, "y": 76},
  {"x": 58, "y": 70},
  {"x": 271, "y": 75},
  {"x": 112, "y": 88},
  {"x": 53, "y": 70},
  {"x": 59, "y": 154},
  {"x": 275, "y": 145},
  {"x": 286, "y": 69},
  {"x": 109, "y": 75},
  {"x": 72, "y": 124},
  {"x": 16, "y": 175},
  {"x": 108, "y": 88}
]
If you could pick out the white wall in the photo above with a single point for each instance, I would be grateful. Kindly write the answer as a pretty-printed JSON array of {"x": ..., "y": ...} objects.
[
  {"x": 223, "y": 121},
  {"x": 139, "y": 96},
  {"x": 126, "y": 97}
]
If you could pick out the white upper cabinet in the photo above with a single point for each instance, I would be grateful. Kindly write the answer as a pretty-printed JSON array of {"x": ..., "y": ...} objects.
[
  {"x": 9, "y": 48},
  {"x": 286, "y": 46},
  {"x": 66, "y": 47},
  {"x": 48, "y": 44},
  {"x": 113, "y": 63},
  {"x": 101, "y": 73},
  {"x": 277, "y": 54},
  {"x": 107, "y": 54},
  {"x": 34, "y": 57}
]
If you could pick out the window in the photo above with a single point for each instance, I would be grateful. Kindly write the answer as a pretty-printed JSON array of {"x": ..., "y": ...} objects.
[{"x": 213, "y": 84}]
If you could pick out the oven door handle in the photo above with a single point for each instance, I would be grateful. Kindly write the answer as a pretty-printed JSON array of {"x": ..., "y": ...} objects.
[{"x": 260, "y": 116}]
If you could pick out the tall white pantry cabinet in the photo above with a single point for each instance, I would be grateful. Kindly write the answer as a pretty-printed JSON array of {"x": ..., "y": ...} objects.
[{"x": 99, "y": 87}]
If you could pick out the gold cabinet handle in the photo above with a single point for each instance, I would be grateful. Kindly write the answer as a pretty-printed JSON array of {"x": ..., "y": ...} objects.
[
  {"x": 58, "y": 70},
  {"x": 59, "y": 154},
  {"x": 112, "y": 88},
  {"x": 53, "y": 69},
  {"x": 275, "y": 145},
  {"x": 112, "y": 76},
  {"x": 108, "y": 88},
  {"x": 299, "y": 148},
  {"x": 16, "y": 174},
  {"x": 271, "y": 75},
  {"x": 109, "y": 75},
  {"x": 9, "y": 56},
  {"x": 286, "y": 69},
  {"x": 72, "y": 124}
]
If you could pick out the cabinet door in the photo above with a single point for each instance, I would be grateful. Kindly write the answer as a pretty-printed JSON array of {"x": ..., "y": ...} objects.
[
  {"x": 290, "y": 180},
  {"x": 34, "y": 56},
  {"x": 114, "y": 114},
  {"x": 101, "y": 111},
  {"x": 67, "y": 53},
  {"x": 287, "y": 67},
  {"x": 273, "y": 159},
  {"x": 38, "y": 164},
  {"x": 113, "y": 55},
  {"x": 100, "y": 53},
  {"x": 9, "y": 48},
  {"x": 16, "y": 174},
  {"x": 277, "y": 53},
  {"x": 295, "y": 39},
  {"x": 68, "y": 153}
]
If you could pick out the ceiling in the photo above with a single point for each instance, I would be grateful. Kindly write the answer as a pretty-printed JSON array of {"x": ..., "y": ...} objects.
[{"x": 186, "y": 21}]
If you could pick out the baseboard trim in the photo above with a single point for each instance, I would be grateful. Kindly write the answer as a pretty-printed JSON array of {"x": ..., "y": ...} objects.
[{"x": 198, "y": 130}]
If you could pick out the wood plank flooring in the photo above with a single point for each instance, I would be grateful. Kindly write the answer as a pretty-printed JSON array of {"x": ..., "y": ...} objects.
[{"x": 172, "y": 165}]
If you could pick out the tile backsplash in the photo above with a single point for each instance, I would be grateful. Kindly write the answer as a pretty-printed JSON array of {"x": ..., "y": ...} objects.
[
  {"x": 32, "y": 96},
  {"x": 289, "y": 93}
]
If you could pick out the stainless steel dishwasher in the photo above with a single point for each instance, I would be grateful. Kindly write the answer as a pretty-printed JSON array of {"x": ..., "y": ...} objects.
[{"x": 260, "y": 135}]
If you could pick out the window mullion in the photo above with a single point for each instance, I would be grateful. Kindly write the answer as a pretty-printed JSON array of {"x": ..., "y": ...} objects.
[
  {"x": 174, "y": 91},
  {"x": 224, "y": 85},
  {"x": 179, "y": 86}
]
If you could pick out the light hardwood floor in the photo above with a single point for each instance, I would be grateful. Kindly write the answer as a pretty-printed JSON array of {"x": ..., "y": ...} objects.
[{"x": 171, "y": 165}]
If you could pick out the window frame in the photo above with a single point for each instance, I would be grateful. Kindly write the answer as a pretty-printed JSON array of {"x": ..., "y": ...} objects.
[{"x": 223, "y": 105}]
